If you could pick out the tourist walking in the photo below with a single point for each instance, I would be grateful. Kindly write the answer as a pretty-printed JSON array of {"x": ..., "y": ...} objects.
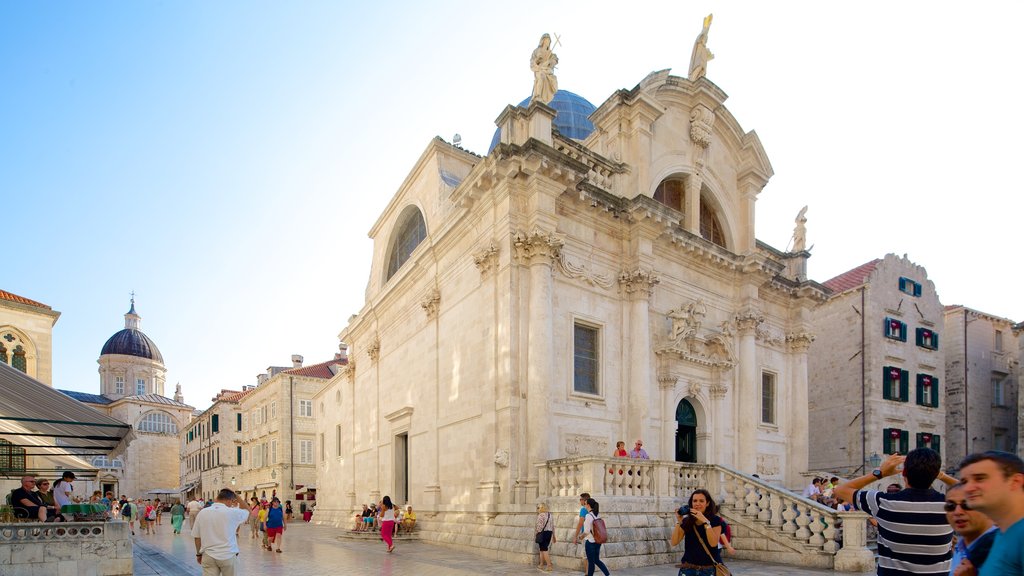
[
  {"x": 387, "y": 522},
  {"x": 177, "y": 517},
  {"x": 276, "y": 525},
  {"x": 699, "y": 527},
  {"x": 288, "y": 510},
  {"x": 193, "y": 508},
  {"x": 254, "y": 516},
  {"x": 590, "y": 544},
  {"x": 544, "y": 535},
  {"x": 215, "y": 532}
]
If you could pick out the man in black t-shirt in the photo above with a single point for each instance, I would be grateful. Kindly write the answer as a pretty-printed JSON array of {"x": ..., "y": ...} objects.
[{"x": 26, "y": 501}]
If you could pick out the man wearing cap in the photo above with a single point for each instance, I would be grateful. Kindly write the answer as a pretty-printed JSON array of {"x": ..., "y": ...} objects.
[
  {"x": 638, "y": 451},
  {"x": 215, "y": 530}
]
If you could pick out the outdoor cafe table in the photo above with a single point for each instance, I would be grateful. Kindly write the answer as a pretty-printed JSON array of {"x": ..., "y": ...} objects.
[{"x": 84, "y": 509}]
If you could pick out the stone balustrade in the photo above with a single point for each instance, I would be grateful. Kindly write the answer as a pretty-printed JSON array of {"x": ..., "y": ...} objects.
[
  {"x": 795, "y": 526},
  {"x": 72, "y": 548}
]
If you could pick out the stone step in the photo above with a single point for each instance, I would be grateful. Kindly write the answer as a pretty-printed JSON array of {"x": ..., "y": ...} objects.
[{"x": 374, "y": 536}]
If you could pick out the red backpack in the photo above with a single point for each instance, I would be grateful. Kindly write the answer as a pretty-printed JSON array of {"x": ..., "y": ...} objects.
[{"x": 599, "y": 531}]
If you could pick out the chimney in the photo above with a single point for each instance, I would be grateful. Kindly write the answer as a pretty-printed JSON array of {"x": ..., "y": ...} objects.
[
  {"x": 261, "y": 378},
  {"x": 342, "y": 351},
  {"x": 296, "y": 361}
]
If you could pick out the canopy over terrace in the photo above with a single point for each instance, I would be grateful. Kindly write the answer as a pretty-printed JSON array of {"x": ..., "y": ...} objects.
[{"x": 53, "y": 428}]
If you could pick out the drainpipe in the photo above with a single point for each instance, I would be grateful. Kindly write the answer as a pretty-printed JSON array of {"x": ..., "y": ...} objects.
[
  {"x": 291, "y": 431},
  {"x": 967, "y": 435},
  {"x": 863, "y": 386}
]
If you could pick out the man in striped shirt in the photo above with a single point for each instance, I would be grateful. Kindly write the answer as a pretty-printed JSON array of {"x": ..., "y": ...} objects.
[{"x": 913, "y": 535}]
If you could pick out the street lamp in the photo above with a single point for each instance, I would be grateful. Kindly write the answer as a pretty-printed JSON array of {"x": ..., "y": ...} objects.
[
  {"x": 874, "y": 460},
  {"x": 233, "y": 482}
]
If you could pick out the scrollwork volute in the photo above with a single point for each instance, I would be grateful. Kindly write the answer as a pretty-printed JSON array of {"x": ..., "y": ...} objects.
[
  {"x": 486, "y": 258},
  {"x": 702, "y": 121},
  {"x": 432, "y": 303},
  {"x": 373, "y": 349}
]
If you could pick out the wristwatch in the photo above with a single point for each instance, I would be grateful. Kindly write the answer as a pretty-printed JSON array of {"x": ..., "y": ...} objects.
[{"x": 877, "y": 473}]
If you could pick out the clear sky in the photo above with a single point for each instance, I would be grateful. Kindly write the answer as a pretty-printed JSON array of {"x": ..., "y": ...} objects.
[{"x": 225, "y": 160}]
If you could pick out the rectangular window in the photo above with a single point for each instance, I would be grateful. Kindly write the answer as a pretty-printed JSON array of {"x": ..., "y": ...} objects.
[
  {"x": 323, "y": 448},
  {"x": 273, "y": 451},
  {"x": 245, "y": 457},
  {"x": 929, "y": 440},
  {"x": 767, "y": 398},
  {"x": 257, "y": 456},
  {"x": 119, "y": 384},
  {"x": 908, "y": 286},
  {"x": 998, "y": 391},
  {"x": 927, "y": 339},
  {"x": 999, "y": 341},
  {"x": 895, "y": 440},
  {"x": 305, "y": 451},
  {"x": 140, "y": 387},
  {"x": 999, "y": 440},
  {"x": 895, "y": 329},
  {"x": 586, "y": 340},
  {"x": 927, "y": 390},
  {"x": 337, "y": 438},
  {"x": 263, "y": 414},
  {"x": 306, "y": 408},
  {"x": 238, "y": 418},
  {"x": 895, "y": 384},
  {"x": 238, "y": 455},
  {"x": 215, "y": 423},
  {"x": 273, "y": 410}
]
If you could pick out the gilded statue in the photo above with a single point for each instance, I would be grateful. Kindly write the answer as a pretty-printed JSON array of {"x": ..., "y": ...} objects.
[
  {"x": 543, "y": 62},
  {"x": 700, "y": 56}
]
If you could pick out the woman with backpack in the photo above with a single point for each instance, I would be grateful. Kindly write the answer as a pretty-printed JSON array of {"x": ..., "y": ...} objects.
[
  {"x": 593, "y": 537},
  {"x": 700, "y": 528},
  {"x": 544, "y": 536}
]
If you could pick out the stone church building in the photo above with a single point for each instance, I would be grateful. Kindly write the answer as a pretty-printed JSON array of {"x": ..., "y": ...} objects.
[{"x": 595, "y": 277}]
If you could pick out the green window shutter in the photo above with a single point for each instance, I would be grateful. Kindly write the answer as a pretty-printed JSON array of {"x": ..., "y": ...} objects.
[
  {"x": 919, "y": 440},
  {"x": 935, "y": 341},
  {"x": 216, "y": 423},
  {"x": 904, "y": 441},
  {"x": 903, "y": 331},
  {"x": 885, "y": 383},
  {"x": 937, "y": 443},
  {"x": 238, "y": 455},
  {"x": 239, "y": 425},
  {"x": 917, "y": 337},
  {"x": 903, "y": 284},
  {"x": 886, "y": 441},
  {"x": 920, "y": 393},
  {"x": 904, "y": 386},
  {"x": 917, "y": 289},
  {"x": 935, "y": 393}
]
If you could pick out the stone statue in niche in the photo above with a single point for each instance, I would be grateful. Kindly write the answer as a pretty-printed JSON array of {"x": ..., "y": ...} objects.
[
  {"x": 800, "y": 231},
  {"x": 686, "y": 320},
  {"x": 700, "y": 56},
  {"x": 543, "y": 62}
]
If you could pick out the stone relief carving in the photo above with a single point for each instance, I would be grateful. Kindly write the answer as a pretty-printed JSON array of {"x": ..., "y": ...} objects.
[
  {"x": 719, "y": 389},
  {"x": 580, "y": 271},
  {"x": 501, "y": 457},
  {"x": 686, "y": 319},
  {"x": 799, "y": 341},
  {"x": 768, "y": 335},
  {"x": 667, "y": 381},
  {"x": 373, "y": 350},
  {"x": 702, "y": 120},
  {"x": 687, "y": 338},
  {"x": 767, "y": 464},
  {"x": 748, "y": 319},
  {"x": 693, "y": 389},
  {"x": 486, "y": 258},
  {"x": 580, "y": 445},
  {"x": 639, "y": 282},
  {"x": 537, "y": 245},
  {"x": 432, "y": 303}
]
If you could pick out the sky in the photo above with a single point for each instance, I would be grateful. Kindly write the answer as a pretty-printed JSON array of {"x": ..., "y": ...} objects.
[{"x": 226, "y": 160}]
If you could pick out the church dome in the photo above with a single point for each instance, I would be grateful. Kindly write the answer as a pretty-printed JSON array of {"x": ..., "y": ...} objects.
[
  {"x": 132, "y": 342},
  {"x": 572, "y": 116}
]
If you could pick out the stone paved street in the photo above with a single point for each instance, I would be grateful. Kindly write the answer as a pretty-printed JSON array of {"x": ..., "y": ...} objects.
[{"x": 314, "y": 550}]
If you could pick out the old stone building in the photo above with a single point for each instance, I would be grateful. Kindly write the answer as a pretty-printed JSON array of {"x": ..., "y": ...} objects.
[
  {"x": 981, "y": 354},
  {"x": 279, "y": 430},
  {"x": 26, "y": 335},
  {"x": 211, "y": 447},
  {"x": 594, "y": 277},
  {"x": 877, "y": 372}
]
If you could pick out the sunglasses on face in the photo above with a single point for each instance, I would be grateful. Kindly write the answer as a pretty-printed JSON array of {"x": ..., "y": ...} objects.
[{"x": 949, "y": 506}]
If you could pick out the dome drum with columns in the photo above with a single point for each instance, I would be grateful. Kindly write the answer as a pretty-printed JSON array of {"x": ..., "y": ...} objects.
[{"x": 130, "y": 362}]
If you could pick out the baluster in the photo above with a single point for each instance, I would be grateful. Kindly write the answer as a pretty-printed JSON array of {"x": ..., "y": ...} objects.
[
  {"x": 751, "y": 499},
  {"x": 830, "y": 534},
  {"x": 763, "y": 504},
  {"x": 739, "y": 495},
  {"x": 802, "y": 520},
  {"x": 817, "y": 527},
  {"x": 776, "y": 508},
  {"x": 788, "y": 515},
  {"x": 647, "y": 481}
]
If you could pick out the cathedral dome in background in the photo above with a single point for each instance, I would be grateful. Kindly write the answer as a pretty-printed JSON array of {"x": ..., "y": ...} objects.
[
  {"x": 131, "y": 341},
  {"x": 572, "y": 118}
]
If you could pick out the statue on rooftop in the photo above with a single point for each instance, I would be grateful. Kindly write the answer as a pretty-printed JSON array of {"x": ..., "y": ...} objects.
[
  {"x": 543, "y": 62},
  {"x": 800, "y": 231},
  {"x": 701, "y": 54}
]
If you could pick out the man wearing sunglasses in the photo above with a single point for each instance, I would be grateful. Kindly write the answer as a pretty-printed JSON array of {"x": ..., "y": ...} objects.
[
  {"x": 913, "y": 536},
  {"x": 976, "y": 532}
]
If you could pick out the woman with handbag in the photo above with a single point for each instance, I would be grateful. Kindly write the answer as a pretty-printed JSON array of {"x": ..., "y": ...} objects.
[
  {"x": 545, "y": 536},
  {"x": 699, "y": 528}
]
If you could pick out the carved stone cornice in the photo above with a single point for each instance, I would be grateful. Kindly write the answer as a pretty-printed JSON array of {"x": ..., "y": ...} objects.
[
  {"x": 582, "y": 272},
  {"x": 373, "y": 349},
  {"x": 747, "y": 320},
  {"x": 431, "y": 303},
  {"x": 537, "y": 246},
  {"x": 638, "y": 282},
  {"x": 486, "y": 258},
  {"x": 799, "y": 341}
]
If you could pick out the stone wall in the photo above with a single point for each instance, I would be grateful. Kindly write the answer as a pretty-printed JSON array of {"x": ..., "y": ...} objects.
[{"x": 72, "y": 549}]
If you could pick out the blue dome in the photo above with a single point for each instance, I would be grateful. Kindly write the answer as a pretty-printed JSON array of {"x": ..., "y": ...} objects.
[
  {"x": 572, "y": 118},
  {"x": 132, "y": 342}
]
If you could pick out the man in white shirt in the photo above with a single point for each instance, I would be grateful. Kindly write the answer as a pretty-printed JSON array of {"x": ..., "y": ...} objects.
[
  {"x": 193, "y": 508},
  {"x": 215, "y": 530},
  {"x": 813, "y": 490}
]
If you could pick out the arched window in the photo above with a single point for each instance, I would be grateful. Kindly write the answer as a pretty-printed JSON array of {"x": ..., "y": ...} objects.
[
  {"x": 19, "y": 361},
  {"x": 710, "y": 227},
  {"x": 12, "y": 458},
  {"x": 671, "y": 193},
  {"x": 411, "y": 231},
  {"x": 158, "y": 423},
  {"x": 15, "y": 350}
]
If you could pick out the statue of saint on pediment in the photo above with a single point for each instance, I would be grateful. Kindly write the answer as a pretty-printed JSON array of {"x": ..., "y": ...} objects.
[
  {"x": 700, "y": 56},
  {"x": 543, "y": 62}
]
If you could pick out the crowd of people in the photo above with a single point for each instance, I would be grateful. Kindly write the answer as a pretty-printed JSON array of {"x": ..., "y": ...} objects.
[{"x": 373, "y": 516}]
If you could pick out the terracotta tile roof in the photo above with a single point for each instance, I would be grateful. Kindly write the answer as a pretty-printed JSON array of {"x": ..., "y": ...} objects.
[
  {"x": 5, "y": 295},
  {"x": 852, "y": 278},
  {"x": 231, "y": 395},
  {"x": 321, "y": 370}
]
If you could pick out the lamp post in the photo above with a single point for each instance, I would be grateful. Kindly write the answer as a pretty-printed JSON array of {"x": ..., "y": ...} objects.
[{"x": 874, "y": 460}]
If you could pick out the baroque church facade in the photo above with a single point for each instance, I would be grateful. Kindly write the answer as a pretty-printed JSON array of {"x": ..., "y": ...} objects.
[{"x": 594, "y": 277}]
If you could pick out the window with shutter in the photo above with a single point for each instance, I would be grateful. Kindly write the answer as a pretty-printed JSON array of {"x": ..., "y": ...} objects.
[
  {"x": 927, "y": 338},
  {"x": 895, "y": 329}
]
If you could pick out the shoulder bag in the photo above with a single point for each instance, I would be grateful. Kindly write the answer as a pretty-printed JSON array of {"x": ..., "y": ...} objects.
[
  {"x": 540, "y": 534},
  {"x": 720, "y": 569}
]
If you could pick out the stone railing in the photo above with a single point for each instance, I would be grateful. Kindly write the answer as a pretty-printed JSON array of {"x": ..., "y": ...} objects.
[
  {"x": 773, "y": 513},
  {"x": 102, "y": 548}
]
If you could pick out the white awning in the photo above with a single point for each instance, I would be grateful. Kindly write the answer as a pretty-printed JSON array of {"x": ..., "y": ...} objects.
[
  {"x": 266, "y": 485},
  {"x": 305, "y": 489}
]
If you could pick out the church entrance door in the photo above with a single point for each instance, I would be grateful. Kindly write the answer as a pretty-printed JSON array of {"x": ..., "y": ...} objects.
[{"x": 686, "y": 432}]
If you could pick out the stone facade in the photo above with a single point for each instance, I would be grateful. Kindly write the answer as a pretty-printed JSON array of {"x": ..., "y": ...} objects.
[
  {"x": 279, "y": 431},
  {"x": 867, "y": 328},
  {"x": 558, "y": 295},
  {"x": 211, "y": 447},
  {"x": 982, "y": 350},
  {"x": 26, "y": 335}
]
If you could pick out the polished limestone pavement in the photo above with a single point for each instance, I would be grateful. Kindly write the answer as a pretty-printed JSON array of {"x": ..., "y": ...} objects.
[{"x": 313, "y": 550}]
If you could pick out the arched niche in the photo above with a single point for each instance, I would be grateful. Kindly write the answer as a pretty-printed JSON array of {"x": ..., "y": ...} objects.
[{"x": 409, "y": 231}]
